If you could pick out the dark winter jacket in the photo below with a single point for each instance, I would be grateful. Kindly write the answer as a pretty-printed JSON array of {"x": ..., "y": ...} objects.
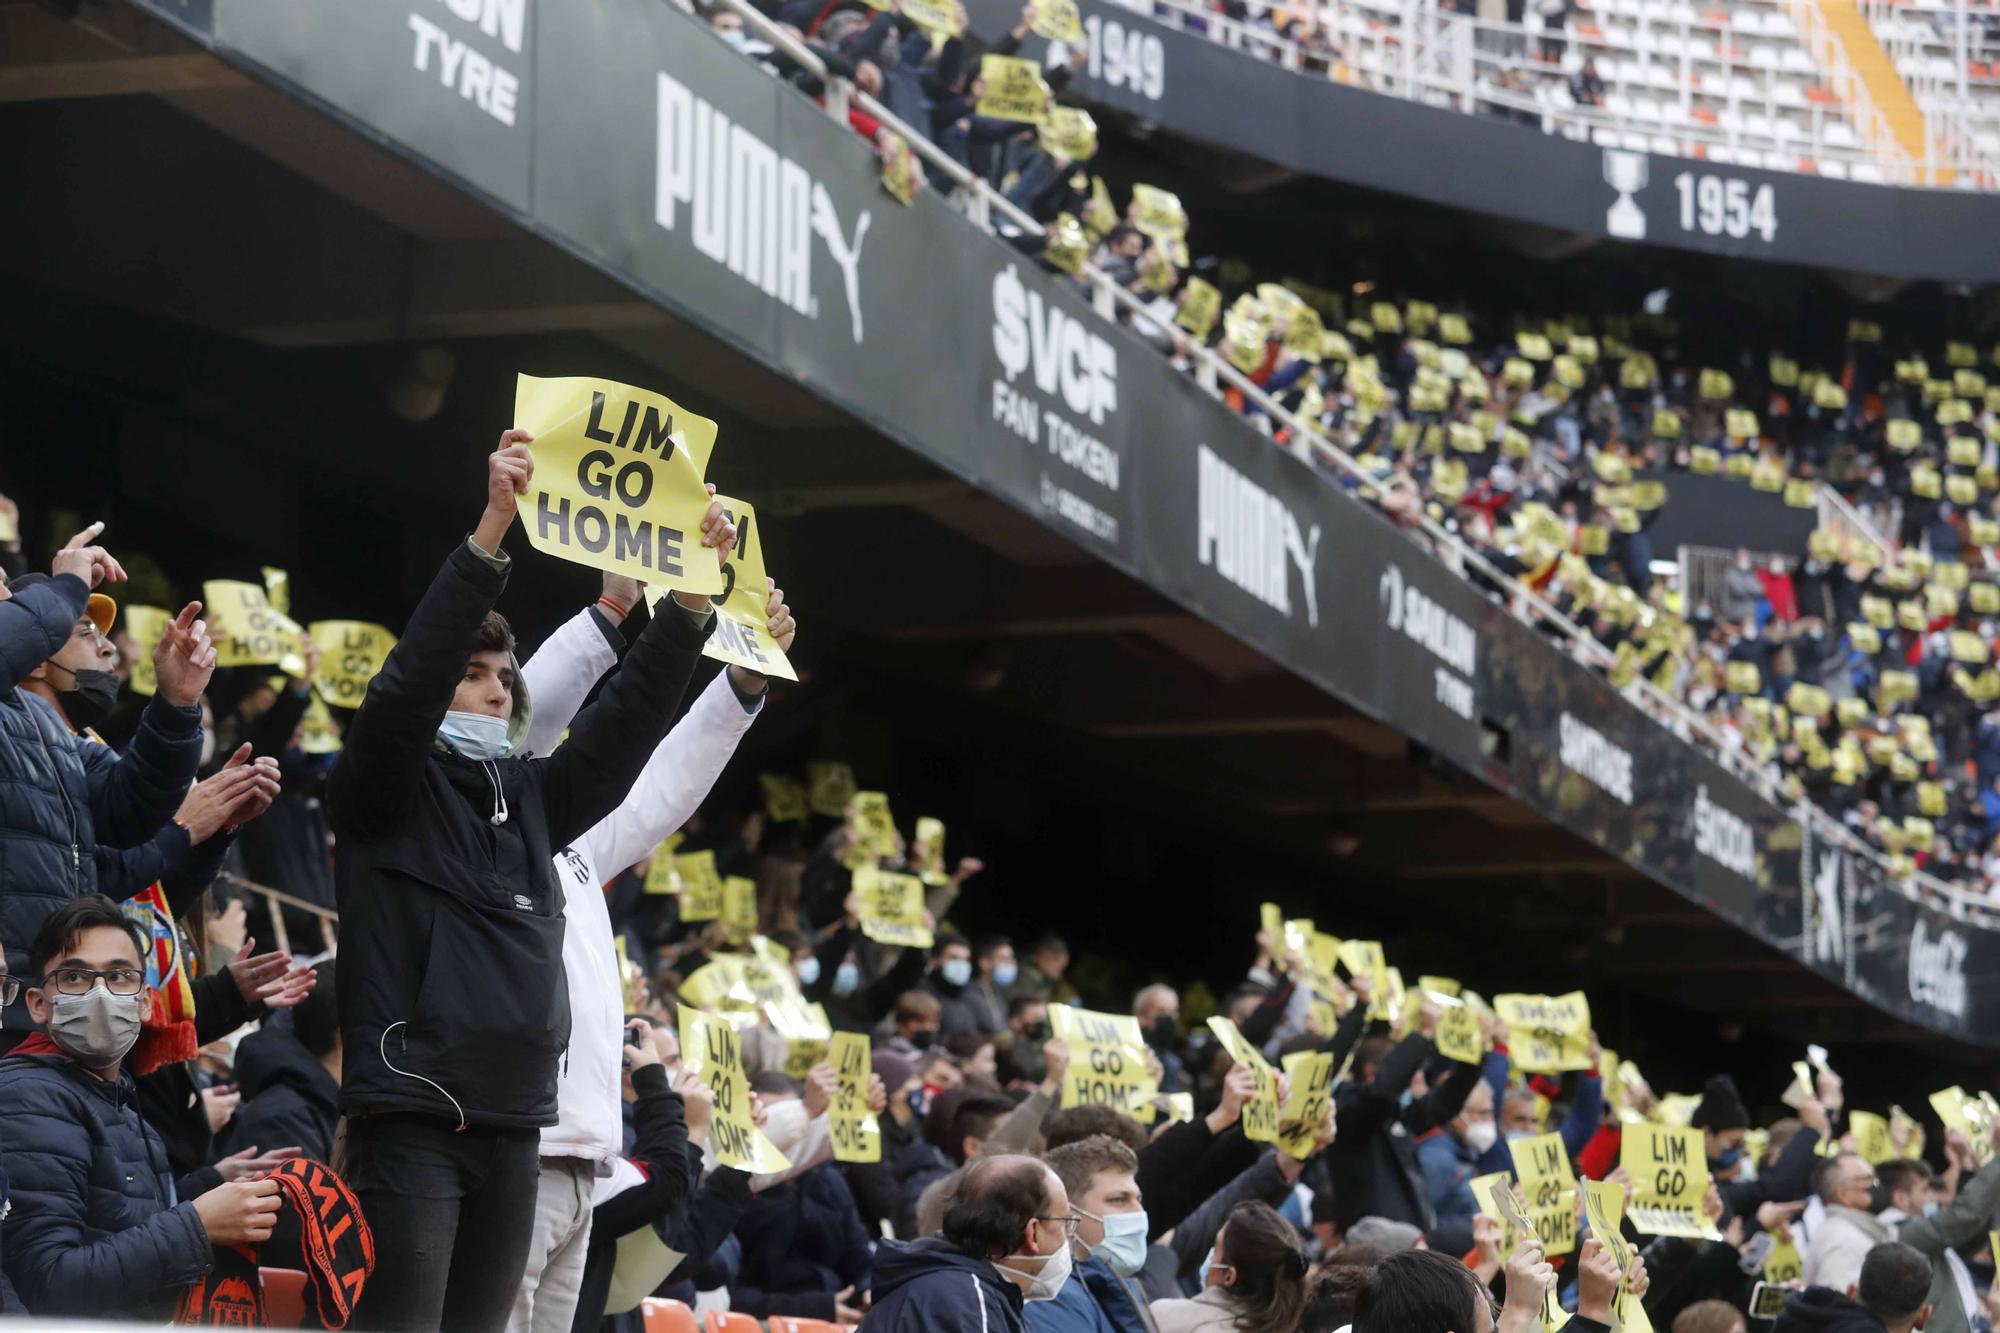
[
  {"x": 61, "y": 794},
  {"x": 10, "y": 1304},
  {"x": 1824, "y": 1310},
  {"x": 932, "y": 1286},
  {"x": 94, "y": 1230},
  {"x": 289, "y": 1099},
  {"x": 452, "y": 997},
  {"x": 803, "y": 1243},
  {"x": 1374, "y": 1161},
  {"x": 659, "y": 1147}
]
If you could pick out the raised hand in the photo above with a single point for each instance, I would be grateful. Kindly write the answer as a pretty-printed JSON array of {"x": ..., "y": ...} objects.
[
  {"x": 184, "y": 659},
  {"x": 89, "y": 562},
  {"x": 509, "y": 469}
]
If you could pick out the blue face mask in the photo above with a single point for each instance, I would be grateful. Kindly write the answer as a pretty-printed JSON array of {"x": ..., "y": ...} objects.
[
  {"x": 1516, "y": 1135},
  {"x": 957, "y": 972},
  {"x": 1730, "y": 1157},
  {"x": 1005, "y": 975},
  {"x": 846, "y": 979},
  {"x": 1123, "y": 1248},
  {"x": 475, "y": 735},
  {"x": 808, "y": 971}
]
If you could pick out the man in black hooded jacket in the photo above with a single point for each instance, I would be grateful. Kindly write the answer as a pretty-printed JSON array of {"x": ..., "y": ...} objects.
[{"x": 453, "y": 1007}]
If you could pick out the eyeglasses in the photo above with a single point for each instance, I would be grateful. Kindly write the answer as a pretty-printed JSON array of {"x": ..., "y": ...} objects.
[
  {"x": 80, "y": 980},
  {"x": 1069, "y": 1224},
  {"x": 10, "y": 990}
]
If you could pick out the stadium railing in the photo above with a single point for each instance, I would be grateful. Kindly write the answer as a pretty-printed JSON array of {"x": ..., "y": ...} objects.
[
  {"x": 981, "y": 202},
  {"x": 1452, "y": 60}
]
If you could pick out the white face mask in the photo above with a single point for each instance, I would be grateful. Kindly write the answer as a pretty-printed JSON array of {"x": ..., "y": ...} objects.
[
  {"x": 475, "y": 735},
  {"x": 1043, "y": 1285},
  {"x": 1481, "y": 1135}
]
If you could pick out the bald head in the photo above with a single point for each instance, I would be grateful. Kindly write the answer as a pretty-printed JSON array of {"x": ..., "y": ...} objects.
[{"x": 999, "y": 1201}]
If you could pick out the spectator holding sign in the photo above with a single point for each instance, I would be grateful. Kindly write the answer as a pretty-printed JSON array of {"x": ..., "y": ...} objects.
[{"x": 453, "y": 1007}]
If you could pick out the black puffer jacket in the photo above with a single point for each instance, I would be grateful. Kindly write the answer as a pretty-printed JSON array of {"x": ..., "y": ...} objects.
[
  {"x": 61, "y": 794},
  {"x": 289, "y": 1099},
  {"x": 91, "y": 1232},
  {"x": 452, "y": 996}
]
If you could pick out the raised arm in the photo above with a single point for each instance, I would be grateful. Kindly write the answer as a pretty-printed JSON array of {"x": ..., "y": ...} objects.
[
  {"x": 374, "y": 783},
  {"x": 563, "y": 669}
]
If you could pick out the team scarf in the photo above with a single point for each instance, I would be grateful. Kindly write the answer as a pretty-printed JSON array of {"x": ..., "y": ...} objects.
[{"x": 167, "y": 1036}]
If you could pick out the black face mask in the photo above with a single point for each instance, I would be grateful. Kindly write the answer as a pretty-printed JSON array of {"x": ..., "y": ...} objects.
[
  {"x": 1038, "y": 1034},
  {"x": 1166, "y": 1030},
  {"x": 91, "y": 696},
  {"x": 924, "y": 1038}
]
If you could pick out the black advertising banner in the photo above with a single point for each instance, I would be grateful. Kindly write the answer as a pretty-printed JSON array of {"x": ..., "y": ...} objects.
[
  {"x": 449, "y": 79},
  {"x": 1196, "y": 87},
  {"x": 1909, "y": 957},
  {"x": 721, "y": 193},
  {"x": 732, "y": 199}
]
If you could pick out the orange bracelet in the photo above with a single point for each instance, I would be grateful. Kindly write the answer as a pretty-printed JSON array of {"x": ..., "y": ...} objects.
[{"x": 610, "y": 603}]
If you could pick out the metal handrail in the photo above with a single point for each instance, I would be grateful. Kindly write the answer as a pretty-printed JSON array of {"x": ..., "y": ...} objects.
[
  {"x": 276, "y": 900},
  {"x": 1309, "y": 444},
  {"x": 1397, "y": 74}
]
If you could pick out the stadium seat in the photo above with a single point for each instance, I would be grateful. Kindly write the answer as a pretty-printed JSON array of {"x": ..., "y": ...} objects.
[
  {"x": 284, "y": 1297},
  {"x": 724, "y": 1321},
  {"x": 663, "y": 1316},
  {"x": 787, "y": 1324}
]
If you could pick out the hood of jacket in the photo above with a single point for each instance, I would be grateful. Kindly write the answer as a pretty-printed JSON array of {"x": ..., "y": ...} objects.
[
  {"x": 1824, "y": 1310},
  {"x": 518, "y": 721},
  {"x": 897, "y": 1264}
]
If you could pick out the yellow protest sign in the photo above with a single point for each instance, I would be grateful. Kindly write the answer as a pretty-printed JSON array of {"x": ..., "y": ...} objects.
[
  {"x": 1012, "y": 89},
  {"x": 1490, "y": 1192},
  {"x": 1965, "y": 1113},
  {"x": 1604, "y": 1205},
  {"x": 742, "y": 613},
  {"x": 1158, "y": 212},
  {"x": 1058, "y": 21},
  {"x": 1365, "y": 958},
  {"x": 857, "y": 1135},
  {"x": 1260, "y": 1113},
  {"x": 1107, "y": 1062},
  {"x": 1068, "y": 132},
  {"x": 1871, "y": 1137},
  {"x": 147, "y": 625},
  {"x": 663, "y": 878},
  {"x": 735, "y": 982},
  {"x": 1548, "y": 1189},
  {"x": 829, "y": 785},
  {"x": 892, "y": 907},
  {"x": 739, "y": 906},
  {"x": 1546, "y": 1033},
  {"x": 701, "y": 886},
  {"x": 874, "y": 826},
  {"x": 784, "y": 798},
  {"x": 316, "y": 733},
  {"x": 1669, "y": 1171},
  {"x": 618, "y": 480},
  {"x": 1200, "y": 307},
  {"x": 902, "y": 173},
  {"x": 350, "y": 653},
  {"x": 1461, "y": 1035},
  {"x": 936, "y": 16},
  {"x": 805, "y": 1030},
  {"x": 712, "y": 1052},
  {"x": 1306, "y": 1102},
  {"x": 247, "y": 630}
]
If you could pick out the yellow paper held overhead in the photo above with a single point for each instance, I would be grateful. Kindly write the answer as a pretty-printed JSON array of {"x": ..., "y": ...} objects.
[
  {"x": 1546, "y": 1033},
  {"x": 147, "y": 625},
  {"x": 351, "y": 652},
  {"x": 1260, "y": 1113},
  {"x": 701, "y": 887},
  {"x": 857, "y": 1135},
  {"x": 1461, "y": 1034},
  {"x": 1107, "y": 1062},
  {"x": 252, "y": 632},
  {"x": 1012, "y": 89},
  {"x": 1306, "y": 1103},
  {"x": 1604, "y": 1205},
  {"x": 712, "y": 1052},
  {"x": 784, "y": 798},
  {"x": 892, "y": 907},
  {"x": 618, "y": 480},
  {"x": 663, "y": 877},
  {"x": 1669, "y": 1170},
  {"x": 742, "y": 622},
  {"x": 1871, "y": 1137},
  {"x": 739, "y": 906},
  {"x": 1058, "y": 21},
  {"x": 829, "y": 785},
  {"x": 1548, "y": 1189}
]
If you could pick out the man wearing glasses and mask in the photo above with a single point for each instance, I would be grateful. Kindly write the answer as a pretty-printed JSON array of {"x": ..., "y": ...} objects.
[{"x": 94, "y": 1228}]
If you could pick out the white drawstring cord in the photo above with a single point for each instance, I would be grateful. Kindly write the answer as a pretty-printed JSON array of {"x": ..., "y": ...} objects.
[
  {"x": 418, "y": 1077},
  {"x": 499, "y": 793}
]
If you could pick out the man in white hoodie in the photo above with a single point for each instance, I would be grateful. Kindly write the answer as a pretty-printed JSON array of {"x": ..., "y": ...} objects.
[{"x": 589, "y": 1134}]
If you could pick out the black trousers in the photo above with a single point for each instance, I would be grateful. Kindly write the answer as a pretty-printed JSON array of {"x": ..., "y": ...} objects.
[{"x": 453, "y": 1213}]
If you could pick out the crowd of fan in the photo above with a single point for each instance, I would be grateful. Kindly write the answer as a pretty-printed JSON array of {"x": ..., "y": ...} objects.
[{"x": 494, "y": 1124}]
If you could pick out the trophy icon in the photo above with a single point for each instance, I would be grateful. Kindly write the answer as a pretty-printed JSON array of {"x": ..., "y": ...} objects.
[{"x": 1625, "y": 172}]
